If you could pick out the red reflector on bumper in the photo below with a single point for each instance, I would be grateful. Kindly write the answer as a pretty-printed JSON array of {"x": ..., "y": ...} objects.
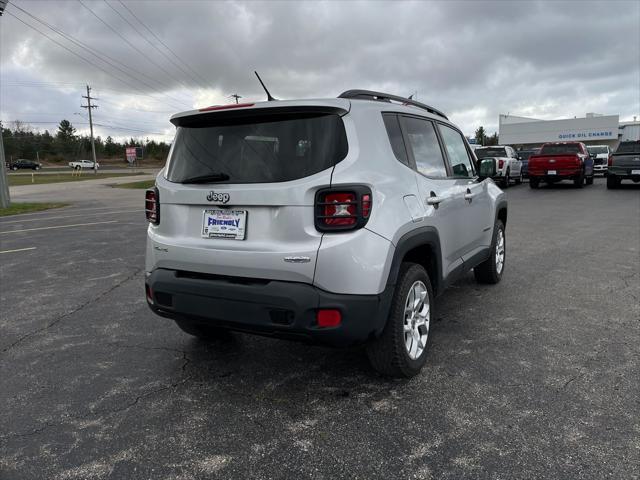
[
  {"x": 149, "y": 293},
  {"x": 328, "y": 318}
]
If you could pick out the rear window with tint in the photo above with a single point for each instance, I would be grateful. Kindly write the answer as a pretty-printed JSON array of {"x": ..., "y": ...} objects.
[
  {"x": 597, "y": 150},
  {"x": 629, "y": 147},
  {"x": 568, "y": 148},
  {"x": 490, "y": 152},
  {"x": 277, "y": 148}
]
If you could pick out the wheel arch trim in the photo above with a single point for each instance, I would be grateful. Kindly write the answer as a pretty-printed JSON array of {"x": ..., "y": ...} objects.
[{"x": 424, "y": 236}]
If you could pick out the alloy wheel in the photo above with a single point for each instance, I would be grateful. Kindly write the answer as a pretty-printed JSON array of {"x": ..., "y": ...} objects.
[
  {"x": 417, "y": 316},
  {"x": 500, "y": 251}
]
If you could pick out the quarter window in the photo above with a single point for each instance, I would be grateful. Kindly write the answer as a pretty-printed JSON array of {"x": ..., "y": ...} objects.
[
  {"x": 395, "y": 137},
  {"x": 461, "y": 164},
  {"x": 423, "y": 141}
]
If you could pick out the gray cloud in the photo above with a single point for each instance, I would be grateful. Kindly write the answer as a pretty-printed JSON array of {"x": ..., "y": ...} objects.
[{"x": 473, "y": 60}]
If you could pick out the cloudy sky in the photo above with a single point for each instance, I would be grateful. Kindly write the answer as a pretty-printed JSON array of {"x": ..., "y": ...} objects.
[{"x": 474, "y": 60}]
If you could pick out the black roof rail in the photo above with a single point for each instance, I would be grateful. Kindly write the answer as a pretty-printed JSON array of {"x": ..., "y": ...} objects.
[{"x": 385, "y": 97}]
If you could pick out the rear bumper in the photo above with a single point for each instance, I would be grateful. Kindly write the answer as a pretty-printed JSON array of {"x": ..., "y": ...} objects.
[
  {"x": 273, "y": 308},
  {"x": 625, "y": 172},
  {"x": 561, "y": 174}
]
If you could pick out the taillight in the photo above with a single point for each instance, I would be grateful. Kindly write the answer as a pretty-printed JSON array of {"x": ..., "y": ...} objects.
[
  {"x": 366, "y": 205},
  {"x": 610, "y": 161},
  {"x": 339, "y": 209},
  {"x": 152, "y": 206},
  {"x": 500, "y": 163},
  {"x": 343, "y": 208}
]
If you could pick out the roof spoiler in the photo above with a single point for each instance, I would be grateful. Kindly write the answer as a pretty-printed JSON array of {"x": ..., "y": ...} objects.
[
  {"x": 206, "y": 117},
  {"x": 385, "y": 97}
]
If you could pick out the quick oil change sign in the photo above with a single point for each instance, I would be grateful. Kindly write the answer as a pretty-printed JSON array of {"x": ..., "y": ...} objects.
[{"x": 591, "y": 135}]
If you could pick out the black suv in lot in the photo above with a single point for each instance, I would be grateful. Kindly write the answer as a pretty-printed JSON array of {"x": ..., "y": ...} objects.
[{"x": 22, "y": 164}]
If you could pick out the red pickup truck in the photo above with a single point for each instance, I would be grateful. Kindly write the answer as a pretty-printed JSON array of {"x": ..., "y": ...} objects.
[{"x": 559, "y": 161}]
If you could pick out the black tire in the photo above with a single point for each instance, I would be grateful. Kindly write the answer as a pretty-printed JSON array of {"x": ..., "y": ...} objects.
[
  {"x": 77, "y": 167},
  {"x": 578, "y": 182},
  {"x": 589, "y": 180},
  {"x": 202, "y": 331},
  {"x": 519, "y": 179},
  {"x": 387, "y": 353},
  {"x": 534, "y": 182},
  {"x": 505, "y": 180},
  {"x": 14, "y": 168},
  {"x": 487, "y": 271},
  {"x": 612, "y": 182},
  {"x": 36, "y": 168}
]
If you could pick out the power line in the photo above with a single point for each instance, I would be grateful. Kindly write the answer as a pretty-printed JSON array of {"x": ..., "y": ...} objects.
[
  {"x": 162, "y": 43},
  {"x": 133, "y": 27},
  {"x": 144, "y": 55},
  {"x": 60, "y": 84},
  {"x": 99, "y": 55},
  {"x": 84, "y": 59}
]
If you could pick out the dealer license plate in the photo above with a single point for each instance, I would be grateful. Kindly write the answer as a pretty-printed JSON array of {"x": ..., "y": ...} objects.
[
  {"x": 635, "y": 172},
  {"x": 224, "y": 224},
  {"x": 551, "y": 172}
]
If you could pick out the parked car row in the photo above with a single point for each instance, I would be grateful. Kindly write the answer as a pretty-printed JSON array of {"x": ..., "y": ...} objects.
[
  {"x": 22, "y": 164},
  {"x": 558, "y": 161}
]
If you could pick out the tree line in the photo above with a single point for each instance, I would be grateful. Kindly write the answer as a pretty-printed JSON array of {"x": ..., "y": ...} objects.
[
  {"x": 486, "y": 140},
  {"x": 23, "y": 141}
]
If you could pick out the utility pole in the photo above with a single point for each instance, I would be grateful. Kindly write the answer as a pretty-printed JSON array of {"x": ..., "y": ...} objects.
[
  {"x": 5, "y": 200},
  {"x": 88, "y": 106},
  {"x": 236, "y": 96}
]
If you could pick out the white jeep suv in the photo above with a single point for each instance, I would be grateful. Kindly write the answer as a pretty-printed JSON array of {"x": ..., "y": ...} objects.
[{"x": 335, "y": 221}]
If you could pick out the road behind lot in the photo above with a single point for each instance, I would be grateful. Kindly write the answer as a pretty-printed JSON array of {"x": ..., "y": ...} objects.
[{"x": 537, "y": 377}]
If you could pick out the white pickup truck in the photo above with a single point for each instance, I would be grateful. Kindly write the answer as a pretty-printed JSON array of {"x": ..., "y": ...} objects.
[
  {"x": 507, "y": 164},
  {"x": 80, "y": 164}
]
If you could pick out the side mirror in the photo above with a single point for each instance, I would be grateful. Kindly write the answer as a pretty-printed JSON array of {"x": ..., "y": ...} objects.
[{"x": 487, "y": 168}]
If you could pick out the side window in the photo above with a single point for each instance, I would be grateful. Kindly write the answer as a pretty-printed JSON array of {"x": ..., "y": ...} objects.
[
  {"x": 395, "y": 137},
  {"x": 461, "y": 163},
  {"x": 423, "y": 142}
]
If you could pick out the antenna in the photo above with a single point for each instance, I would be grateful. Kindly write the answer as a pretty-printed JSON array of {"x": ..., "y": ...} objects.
[{"x": 269, "y": 97}]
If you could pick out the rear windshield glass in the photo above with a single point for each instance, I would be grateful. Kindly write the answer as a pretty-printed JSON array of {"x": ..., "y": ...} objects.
[
  {"x": 560, "y": 149},
  {"x": 525, "y": 154},
  {"x": 597, "y": 150},
  {"x": 490, "y": 152},
  {"x": 270, "y": 149},
  {"x": 629, "y": 147}
]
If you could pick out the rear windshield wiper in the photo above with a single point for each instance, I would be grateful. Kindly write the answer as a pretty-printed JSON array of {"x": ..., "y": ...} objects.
[{"x": 211, "y": 177}]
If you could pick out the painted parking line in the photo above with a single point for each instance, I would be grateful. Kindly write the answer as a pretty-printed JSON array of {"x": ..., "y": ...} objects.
[
  {"x": 69, "y": 216},
  {"x": 67, "y": 209},
  {"x": 18, "y": 250},
  {"x": 57, "y": 226}
]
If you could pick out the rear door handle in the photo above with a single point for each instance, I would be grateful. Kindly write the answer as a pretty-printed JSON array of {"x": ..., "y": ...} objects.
[
  {"x": 469, "y": 195},
  {"x": 434, "y": 199}
]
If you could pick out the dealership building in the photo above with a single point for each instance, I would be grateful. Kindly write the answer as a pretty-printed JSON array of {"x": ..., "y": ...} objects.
[{"x": 593, "y": 129}]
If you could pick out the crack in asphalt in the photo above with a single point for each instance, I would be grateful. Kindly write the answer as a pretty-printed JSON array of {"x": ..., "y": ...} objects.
[{"x": 68, "y": 314}]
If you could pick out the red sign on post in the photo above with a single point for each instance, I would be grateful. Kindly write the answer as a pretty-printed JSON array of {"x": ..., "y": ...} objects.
[{"x": 131, "y": 154}]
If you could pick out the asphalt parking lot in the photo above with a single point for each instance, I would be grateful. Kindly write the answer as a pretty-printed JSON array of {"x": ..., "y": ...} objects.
[{"x": 537, "y": 377}]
